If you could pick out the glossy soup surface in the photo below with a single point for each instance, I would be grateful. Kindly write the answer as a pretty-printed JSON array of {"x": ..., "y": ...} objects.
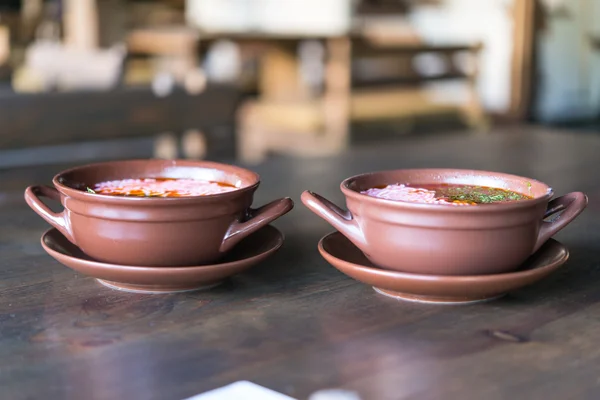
[
  {"x": 457, "y": 195},
  {"x": 161, "y": 187}
]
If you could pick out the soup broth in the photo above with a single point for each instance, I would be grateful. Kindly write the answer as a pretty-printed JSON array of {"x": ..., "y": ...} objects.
[
  {"x": 458, "y": 195},
  {"x": 161, "y": 187}
]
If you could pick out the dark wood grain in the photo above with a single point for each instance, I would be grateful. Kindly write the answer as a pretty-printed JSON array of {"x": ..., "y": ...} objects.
[{"x": 297, "y": 325}]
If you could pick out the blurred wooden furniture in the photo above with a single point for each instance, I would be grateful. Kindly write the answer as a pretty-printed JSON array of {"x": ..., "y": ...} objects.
[
  {"x": 61, "y": 118},
  {"x": 174, "y": 51},
  {"x": 406, "y": 94},
  {"x": 4, "y": 45},
  {"x": 287, "y": 118},
  {"x": 80, "y": 21},
  {"x": 525, "y": 16}
]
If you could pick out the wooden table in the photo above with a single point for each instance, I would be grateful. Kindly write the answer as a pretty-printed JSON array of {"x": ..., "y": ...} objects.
[{"x": 295, "y": 324}]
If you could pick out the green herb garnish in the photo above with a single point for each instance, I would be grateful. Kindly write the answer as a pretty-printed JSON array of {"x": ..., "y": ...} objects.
[
  {"x": 90, "y": 190},
  {"x": 479, "y": 195}
]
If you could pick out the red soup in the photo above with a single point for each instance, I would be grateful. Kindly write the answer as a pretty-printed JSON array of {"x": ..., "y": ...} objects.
[{"x": 161, "y": 187}]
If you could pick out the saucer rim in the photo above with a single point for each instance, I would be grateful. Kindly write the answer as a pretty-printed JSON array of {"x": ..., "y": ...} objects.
[
  {"x": 280, "y": 239},
  {"x": 437, "y": 278}
]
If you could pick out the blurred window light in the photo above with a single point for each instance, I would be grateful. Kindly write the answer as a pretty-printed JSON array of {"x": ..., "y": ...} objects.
[
  {"x": 430, "y": 64},
  {"x": 312, "y": 63},
  {"x": 223, "y": 62},
  {"x": 163, "y": 84}
]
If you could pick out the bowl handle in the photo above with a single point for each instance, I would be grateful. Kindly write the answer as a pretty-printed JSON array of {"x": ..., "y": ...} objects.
[
  {"x": 57, "y": 220},
  {"x": 258, "y": 218},
  {"x": 340, "y": 219},
  {"x": 571, "y": 205}
]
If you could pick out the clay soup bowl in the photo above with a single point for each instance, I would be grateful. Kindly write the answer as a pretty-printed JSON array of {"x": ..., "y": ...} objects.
[
  {"x": 447, "y": 240},
  {"x": 153, "y": 231}
]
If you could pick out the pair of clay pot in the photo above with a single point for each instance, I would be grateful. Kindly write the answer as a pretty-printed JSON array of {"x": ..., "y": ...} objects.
[{"x": 394, "y": 235}]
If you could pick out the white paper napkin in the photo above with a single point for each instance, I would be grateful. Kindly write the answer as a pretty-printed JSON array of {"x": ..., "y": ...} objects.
[{"x": 242, "y": 390}]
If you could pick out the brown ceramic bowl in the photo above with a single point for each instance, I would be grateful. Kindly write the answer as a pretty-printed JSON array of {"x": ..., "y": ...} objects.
[
  {"x": 445, "y": 240},
  {"x": 155, "y": 231}
]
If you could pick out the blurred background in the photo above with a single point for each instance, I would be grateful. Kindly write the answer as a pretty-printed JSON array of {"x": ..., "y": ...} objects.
[{"x": 244, "y": 80}]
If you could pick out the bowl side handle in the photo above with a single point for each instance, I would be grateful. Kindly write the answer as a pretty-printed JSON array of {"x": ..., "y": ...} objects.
[
  {"x": 258, "y": 218},
  {"x": 340, "y": 219},
  {"x": 57, "y": 220},
  {"x": 571, "y": 205}
]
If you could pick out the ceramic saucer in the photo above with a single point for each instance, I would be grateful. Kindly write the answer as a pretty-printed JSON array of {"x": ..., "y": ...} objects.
[
  {"x": 347, "y": 258},
  {"x": 250, "y": 251}
]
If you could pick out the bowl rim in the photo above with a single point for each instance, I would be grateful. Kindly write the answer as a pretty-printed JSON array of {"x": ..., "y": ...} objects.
[
  {"x": 400, "y": 204},
  {"x": 98, "y": 197}
]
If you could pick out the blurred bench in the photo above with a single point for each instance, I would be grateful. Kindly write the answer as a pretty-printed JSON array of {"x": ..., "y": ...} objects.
[{"x": 49, "y": 119}]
